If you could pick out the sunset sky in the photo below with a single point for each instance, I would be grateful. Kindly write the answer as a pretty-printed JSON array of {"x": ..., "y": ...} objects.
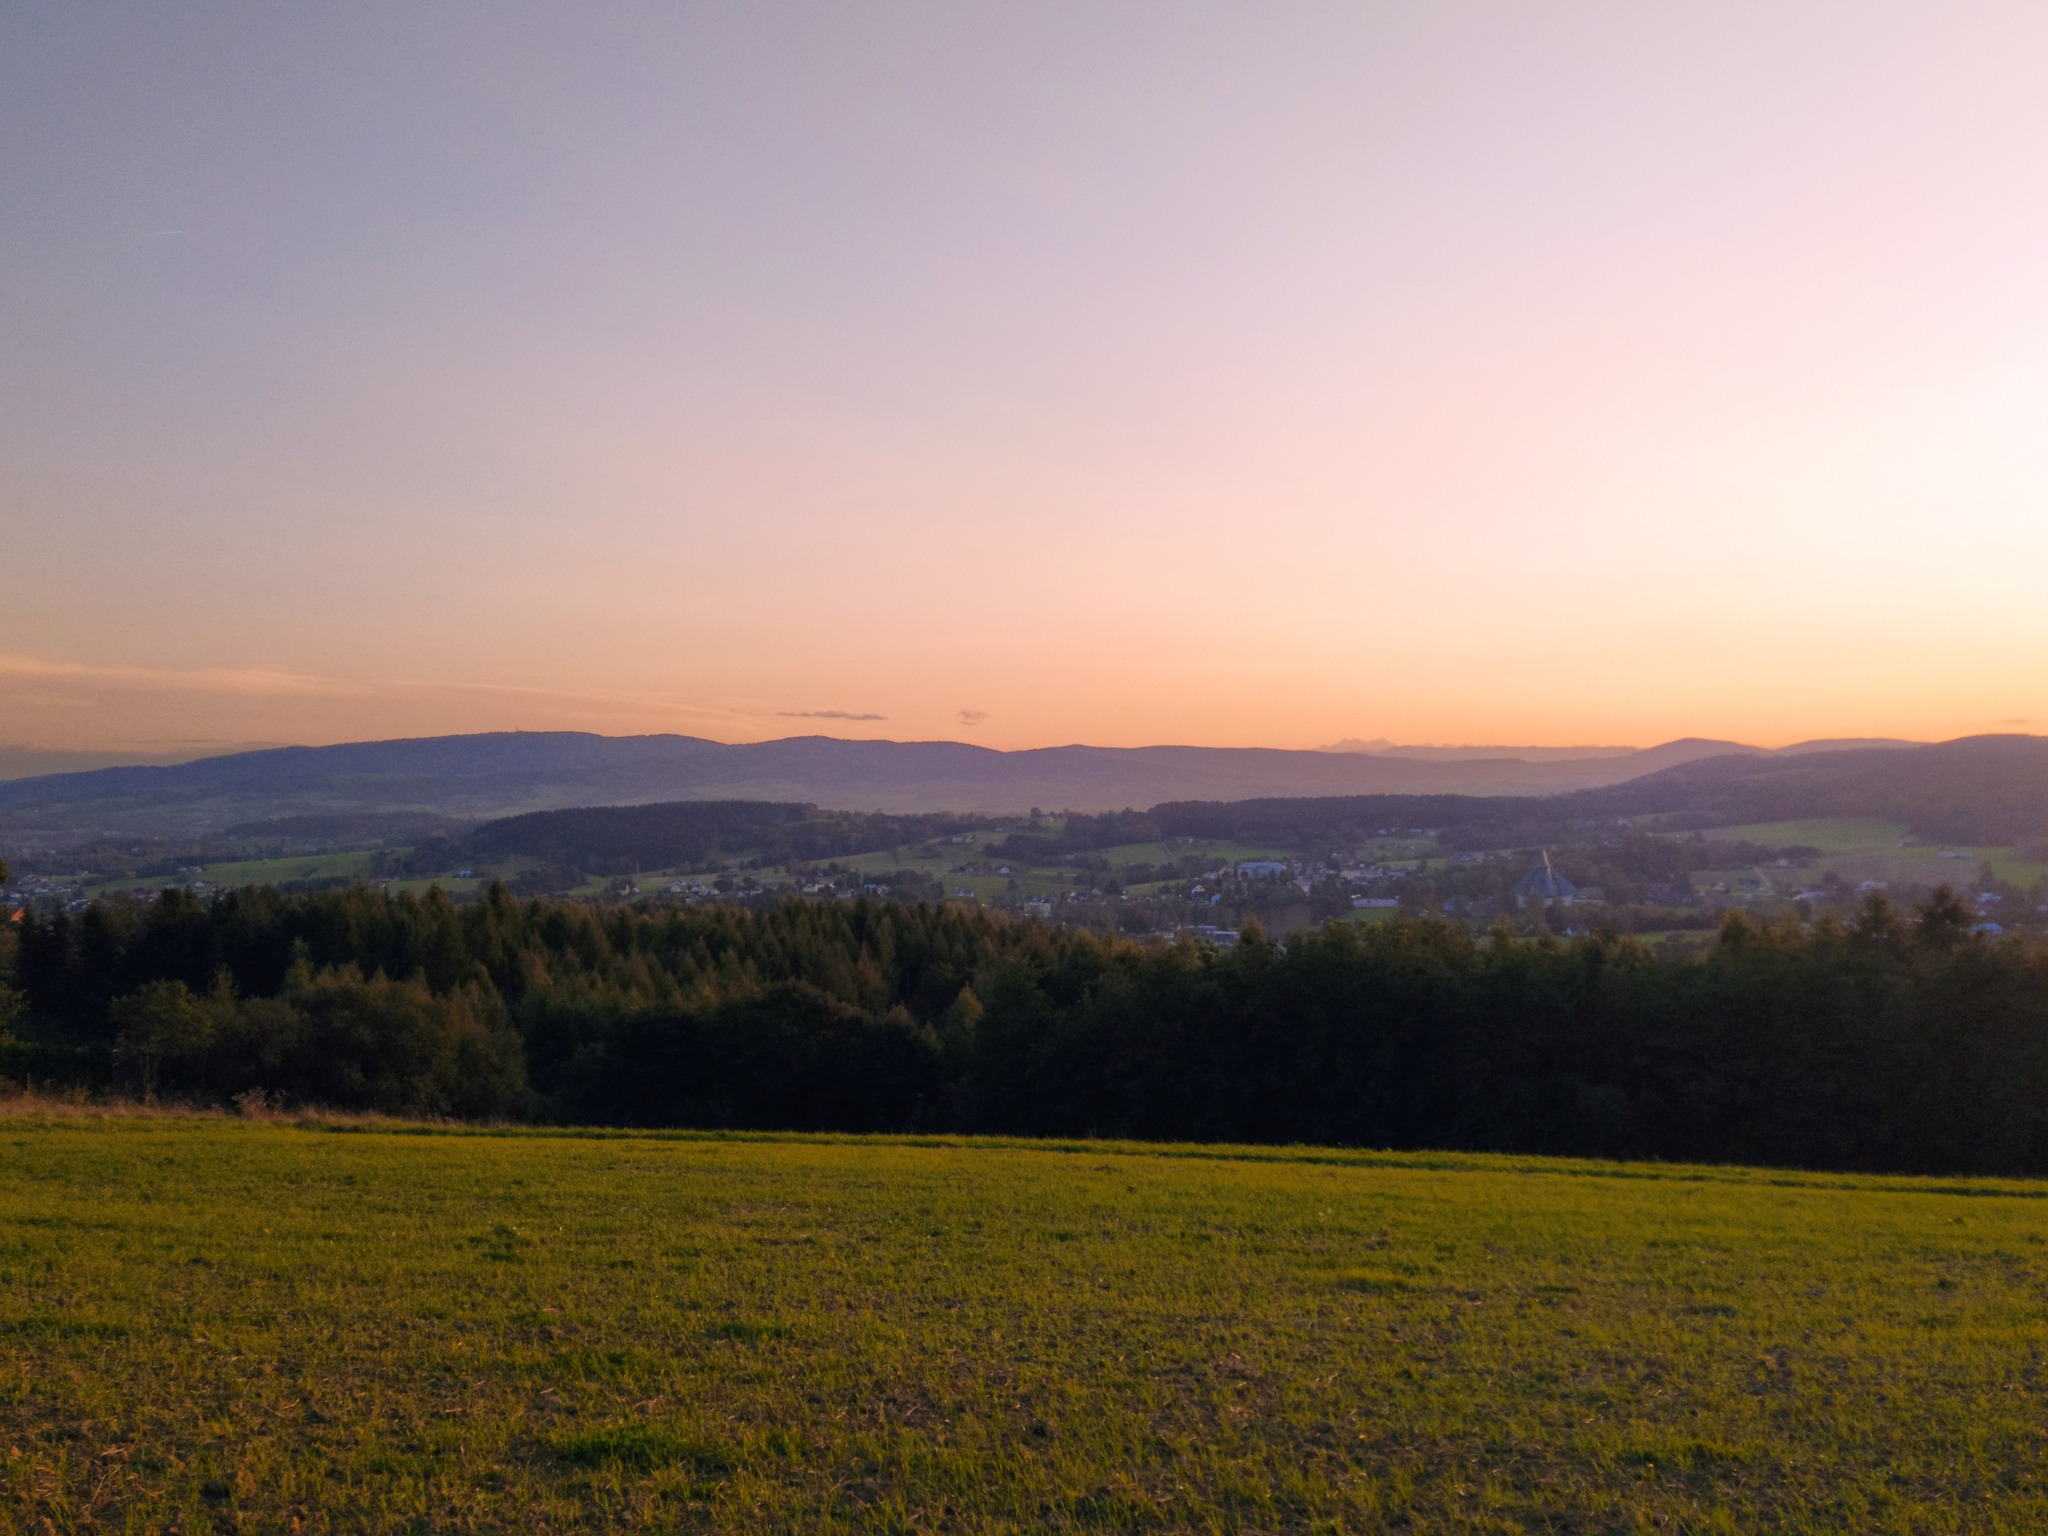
[{"x": 1261, "y": 374}]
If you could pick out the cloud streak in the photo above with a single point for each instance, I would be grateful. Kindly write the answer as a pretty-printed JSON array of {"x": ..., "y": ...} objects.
[
  {"x": 826, "y": 714},
  {"x": 260, "y": 681},
  {"x": 317, "y": 705}
]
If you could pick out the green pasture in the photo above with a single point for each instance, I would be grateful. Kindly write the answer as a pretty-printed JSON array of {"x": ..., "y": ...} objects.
[
  {"x": 1832, "y": 835},
  {"x": 1381, "y": 849},
  {"x": 317, "y": 866},
  {"x": 213, "y": 1325},
  {"x": 1211, "y": 851},
  {"x": 1860, "y": 850}
]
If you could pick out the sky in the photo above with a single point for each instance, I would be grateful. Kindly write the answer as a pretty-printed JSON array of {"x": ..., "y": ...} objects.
[{"x": 1256, "y": 374}]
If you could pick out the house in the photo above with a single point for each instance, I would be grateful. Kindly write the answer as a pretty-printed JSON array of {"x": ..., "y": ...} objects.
[
  {"x": 1544, "y": 887},
  {"x": 1261, "y": 869}
]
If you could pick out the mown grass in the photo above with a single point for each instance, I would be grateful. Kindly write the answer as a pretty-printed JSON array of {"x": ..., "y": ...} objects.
[{"x": 215, "y": 1325}]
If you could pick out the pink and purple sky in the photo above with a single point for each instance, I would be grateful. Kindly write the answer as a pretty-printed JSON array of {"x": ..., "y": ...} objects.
[{"x": 1243, "y": 375}]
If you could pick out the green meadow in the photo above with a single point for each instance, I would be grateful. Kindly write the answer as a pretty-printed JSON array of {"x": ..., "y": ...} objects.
[
  {"x": 259, "y": 1325},
  {"x": 1829, "y": 835},
  {"x": 1860, "y": 850},
  {"x": 319, "y": 866}
]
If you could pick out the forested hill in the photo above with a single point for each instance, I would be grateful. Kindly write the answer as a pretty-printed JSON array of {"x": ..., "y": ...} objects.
[
  {"x": 472, "y": 778},
  {"x": 1983, "y": 790},
  {"x": 1979, "y": 789}
]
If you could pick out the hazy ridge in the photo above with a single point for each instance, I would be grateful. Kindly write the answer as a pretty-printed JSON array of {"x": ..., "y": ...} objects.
[{"x": 480, "y": 776}]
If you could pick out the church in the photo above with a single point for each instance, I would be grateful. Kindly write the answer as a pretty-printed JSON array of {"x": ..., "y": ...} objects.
[{"x": 1544, "y": 887}]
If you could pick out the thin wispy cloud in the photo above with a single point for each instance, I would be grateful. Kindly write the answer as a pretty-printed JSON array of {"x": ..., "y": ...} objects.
[
  {"x": 243, "y": 680},
  {"x": 826, "y": 714},
  {"x": 48, "y": 683},
  {"x": 973, "y": 716}
]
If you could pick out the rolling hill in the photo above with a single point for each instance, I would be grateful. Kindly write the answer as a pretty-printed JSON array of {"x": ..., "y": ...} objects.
[
  {"x": 1982, "y": 790},
  {"x": 1987, "y": 789},
  {"x": 474, "y": 778},
  {"x": 1977, "y": 789}
]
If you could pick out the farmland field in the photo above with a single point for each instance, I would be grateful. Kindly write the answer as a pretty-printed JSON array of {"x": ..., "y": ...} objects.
[
  {"x": 315, "y": 866},
  {"x": 1829, "y": 835},
  {"x": 1207, "y": 849},
  {"x": 1873, "y": 850},
  {"x": 219, "y": 1324}
]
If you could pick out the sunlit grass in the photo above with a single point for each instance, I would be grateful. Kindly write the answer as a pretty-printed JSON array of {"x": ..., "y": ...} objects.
[
  {"x": 1836, "y": 834},
  {"x": 1860, "y": 850},
  {"x": 215, "y": 1324}
]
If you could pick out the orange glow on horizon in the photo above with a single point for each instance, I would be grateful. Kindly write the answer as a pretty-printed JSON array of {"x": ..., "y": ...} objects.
[{"x": 1454, "y": 374}]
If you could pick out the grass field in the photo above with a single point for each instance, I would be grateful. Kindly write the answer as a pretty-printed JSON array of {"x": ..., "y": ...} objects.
[
  {"x": 1872, "y": 850},
  {"x": 1209, "y": 850},
  {"x": 1830, "y": 835},
  {"x": 312, "y": 866},
  {"x": 216, "y": 1325}
]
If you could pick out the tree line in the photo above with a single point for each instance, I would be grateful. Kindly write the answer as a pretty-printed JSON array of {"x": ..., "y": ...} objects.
[
  {"x": 624, "y": 839},
  {"x": 1893, "y": 1042}
]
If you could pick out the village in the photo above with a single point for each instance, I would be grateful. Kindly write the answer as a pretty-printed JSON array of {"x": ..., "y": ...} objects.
[{"x": 1668, "y": 888}]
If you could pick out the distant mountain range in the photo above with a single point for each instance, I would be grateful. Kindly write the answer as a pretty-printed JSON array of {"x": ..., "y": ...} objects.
[
  {"x": 473, "y": 778},
  {"x": 1446, "y": 754},
  {"x": 35, "y": 762}
]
